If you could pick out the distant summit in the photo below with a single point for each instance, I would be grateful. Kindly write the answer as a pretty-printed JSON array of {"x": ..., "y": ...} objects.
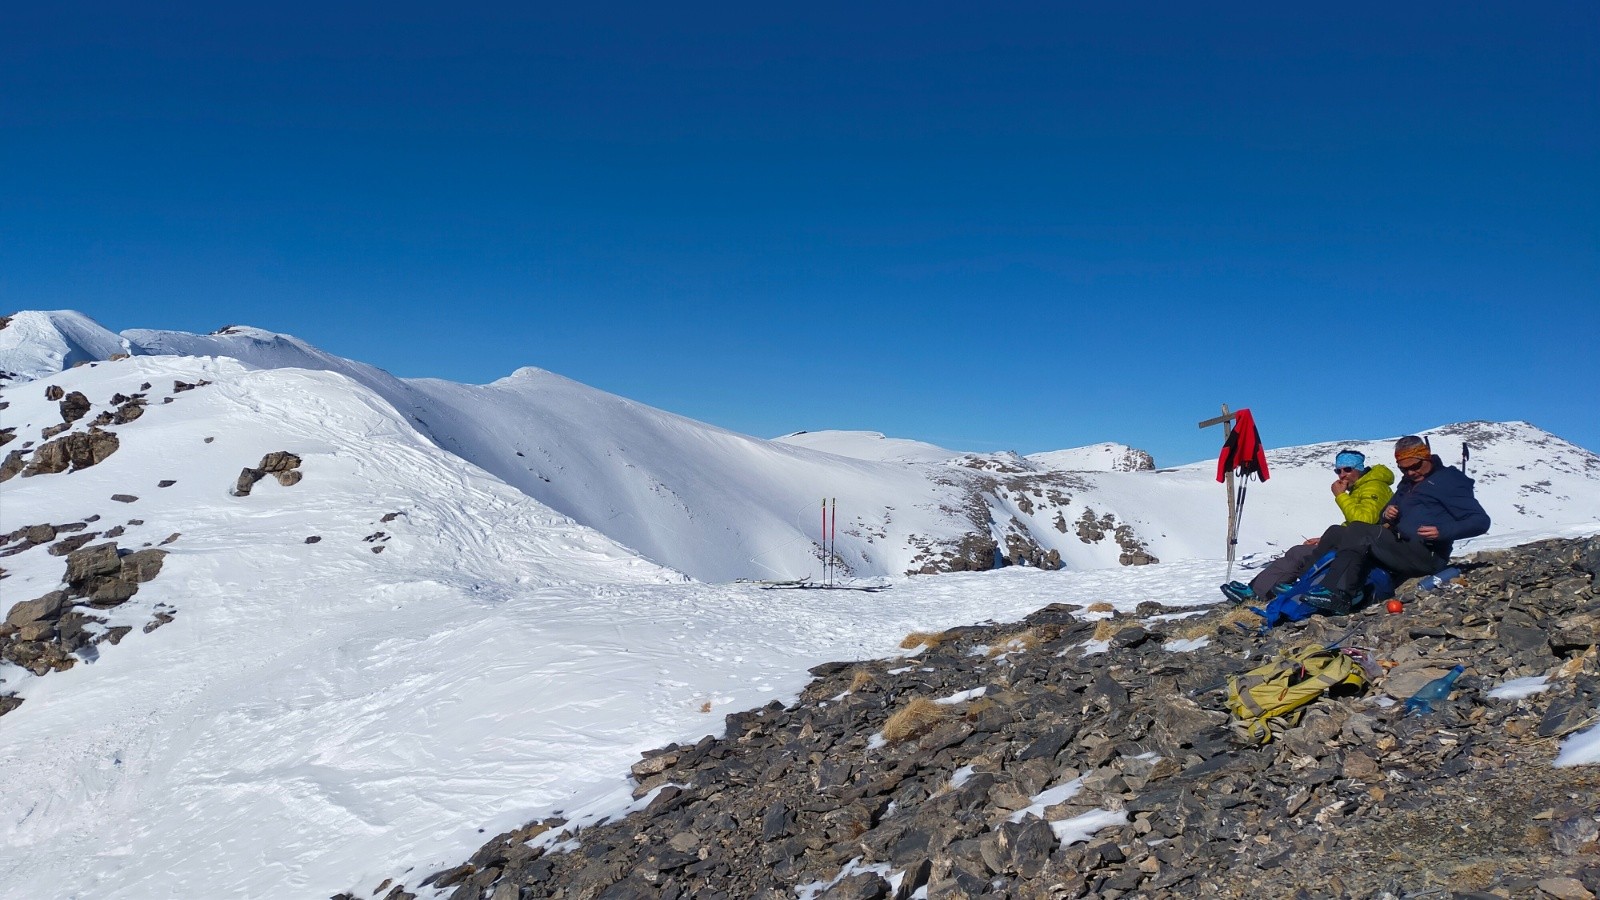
[
  {"x": 1096, "y": 458},
  {"x": 35, "y": 344}
]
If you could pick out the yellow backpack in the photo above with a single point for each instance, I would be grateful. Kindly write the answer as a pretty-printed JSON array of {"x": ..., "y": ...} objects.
[{"x": 1268, "y": 700}]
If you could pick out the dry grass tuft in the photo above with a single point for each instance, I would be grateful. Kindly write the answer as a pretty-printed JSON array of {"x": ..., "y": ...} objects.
[
  {"x": 861, "y": 679},
  {"x": 705, "y": 707},
  {"x": 1239, "y": 615},
  {"x": 919, "y": 638},
  {"x": 915, "y": 719},
  {"x": 1471, "y": 876},
  {"x": 1021, "y": 642},
  {"x": 1105, "y": 629},
  {"x": 1100, "y": 606},
  {"x": 531, "y": 830}
]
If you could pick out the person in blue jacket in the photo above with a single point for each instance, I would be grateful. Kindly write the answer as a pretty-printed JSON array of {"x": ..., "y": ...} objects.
[{"x": 1433, "y": 508}]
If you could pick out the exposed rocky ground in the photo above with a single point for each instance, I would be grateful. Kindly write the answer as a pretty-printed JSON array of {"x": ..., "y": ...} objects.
[
  {"x": 932, "y": 773},
  {"x": 994, "y": 484}
]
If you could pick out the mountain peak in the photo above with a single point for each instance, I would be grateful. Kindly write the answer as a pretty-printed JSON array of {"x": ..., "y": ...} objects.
[{"x": 36, "y": 343}]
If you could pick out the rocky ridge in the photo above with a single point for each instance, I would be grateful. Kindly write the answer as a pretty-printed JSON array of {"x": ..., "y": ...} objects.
[{"x": 1061, "y": 756}]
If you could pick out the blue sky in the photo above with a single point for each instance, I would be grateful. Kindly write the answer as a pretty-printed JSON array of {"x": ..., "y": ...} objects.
[{"x": 990, "y": 226}]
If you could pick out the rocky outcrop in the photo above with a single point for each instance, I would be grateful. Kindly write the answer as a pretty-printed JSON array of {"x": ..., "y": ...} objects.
[
  {"x": 282, "y": 465},
  {"x": 13, "y": 465},
  {"x": 74, "y": 406},
  {"x": 1092, "y": 530},
  {"x": 70, "y": 452},
  {"x": 1135, "y": 460},
  {"x": 25, "y": 537},
  {"x": 1047, "y": 770},
  {"x": 47, "y": 634}
]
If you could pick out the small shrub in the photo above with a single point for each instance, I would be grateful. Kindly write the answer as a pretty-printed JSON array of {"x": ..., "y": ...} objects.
[
  {"x": 860, "y": 680},
  {"x": 1100, "y": 606},
  {"x": 1105, "y": 629}
]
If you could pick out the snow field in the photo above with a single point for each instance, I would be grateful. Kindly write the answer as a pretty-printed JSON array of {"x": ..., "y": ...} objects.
[{"x": 320, "y": 717}]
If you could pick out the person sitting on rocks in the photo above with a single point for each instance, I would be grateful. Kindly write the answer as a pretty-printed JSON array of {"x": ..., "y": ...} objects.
[
  {"x": 1361, "y": 492},
  {"x": 1434, "y": 507}
]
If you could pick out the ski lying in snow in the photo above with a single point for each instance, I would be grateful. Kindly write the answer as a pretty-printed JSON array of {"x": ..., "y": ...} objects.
[
  {"x": 807, "y": 584},
  {"x": 813, "y": 586},
  {"x": 798, "y": 582}
]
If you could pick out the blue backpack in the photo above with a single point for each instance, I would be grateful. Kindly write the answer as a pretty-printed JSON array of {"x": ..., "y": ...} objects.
[{"x": 1289, "y": 607}]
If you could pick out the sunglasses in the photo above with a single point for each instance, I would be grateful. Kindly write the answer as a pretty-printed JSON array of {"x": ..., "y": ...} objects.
[
  {"x": 1345, "y": 470},
  {"x": 1413, "y": 467}
]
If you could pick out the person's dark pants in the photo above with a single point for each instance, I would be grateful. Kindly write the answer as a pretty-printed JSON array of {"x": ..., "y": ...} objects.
[
  {"x": 1361, "y": 546},
  {"x": 1291, "y": 565}
]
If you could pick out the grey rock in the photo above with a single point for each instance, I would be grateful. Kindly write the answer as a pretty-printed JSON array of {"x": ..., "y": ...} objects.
[
  {"x": 74, "y": 406},
  {"x": 1517, "y": 637},
  {"x": 44, "y": 608},
  {"x": 279, "y": 461},
  {"x": 36, "y": 631},
  {"x": 13, "y": 465},
  {"x": 39, "y": 534},
  {"x": 78, "y": 450},
  {"x": 101, "y": 559},
  {"x": 1574, "y": 831},
  {"x": 860, "y": 886},
  {"x": 143, "y": 565},
  {"x": 246, "y": 481},
  {"x": 1048, "y": 744},
  {"x": 66, "y": 545}
]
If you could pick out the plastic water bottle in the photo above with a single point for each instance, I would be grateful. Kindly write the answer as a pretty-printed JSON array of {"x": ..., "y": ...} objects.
[
  {"x": 1421, "y": 703},
  {"x": 1434, "y": 582}
]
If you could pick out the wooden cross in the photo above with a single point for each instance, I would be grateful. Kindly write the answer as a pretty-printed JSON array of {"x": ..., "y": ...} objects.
[{"x": 1226, "y": 421}]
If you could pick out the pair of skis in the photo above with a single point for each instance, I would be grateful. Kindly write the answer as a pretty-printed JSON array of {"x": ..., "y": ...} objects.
[{"x": 806, "y": 584}]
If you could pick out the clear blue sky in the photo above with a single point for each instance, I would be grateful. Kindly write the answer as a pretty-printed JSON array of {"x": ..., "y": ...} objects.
[{"x": 990, "y": 226}]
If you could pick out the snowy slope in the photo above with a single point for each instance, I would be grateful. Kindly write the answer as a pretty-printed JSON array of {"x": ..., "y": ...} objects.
[
  {"x": 319, "y": 717},
  {"x": 311, "y": 705},
  {"x": 719, "y": 505},
  {"x": 710, "y": 502}
]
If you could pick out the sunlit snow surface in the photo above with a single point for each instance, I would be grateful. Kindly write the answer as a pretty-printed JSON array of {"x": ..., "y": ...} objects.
[
  {"x": 319, "y": 717},
  {"x": 1581, "y": 749},
  {"x": 1517, "y": 688}
]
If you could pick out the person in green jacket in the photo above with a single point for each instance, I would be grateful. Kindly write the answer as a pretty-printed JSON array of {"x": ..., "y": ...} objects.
[{"x": 1361, "y": 492}]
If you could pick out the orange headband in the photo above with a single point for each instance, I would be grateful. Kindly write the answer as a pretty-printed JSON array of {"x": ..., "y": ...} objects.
[{"x": 1419, "y": 452}]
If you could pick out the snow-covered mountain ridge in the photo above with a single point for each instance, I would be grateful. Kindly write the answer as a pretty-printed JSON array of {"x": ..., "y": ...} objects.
[
  {"x": 719, "y": 505},
  {"x": 335, "y": 680}
]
